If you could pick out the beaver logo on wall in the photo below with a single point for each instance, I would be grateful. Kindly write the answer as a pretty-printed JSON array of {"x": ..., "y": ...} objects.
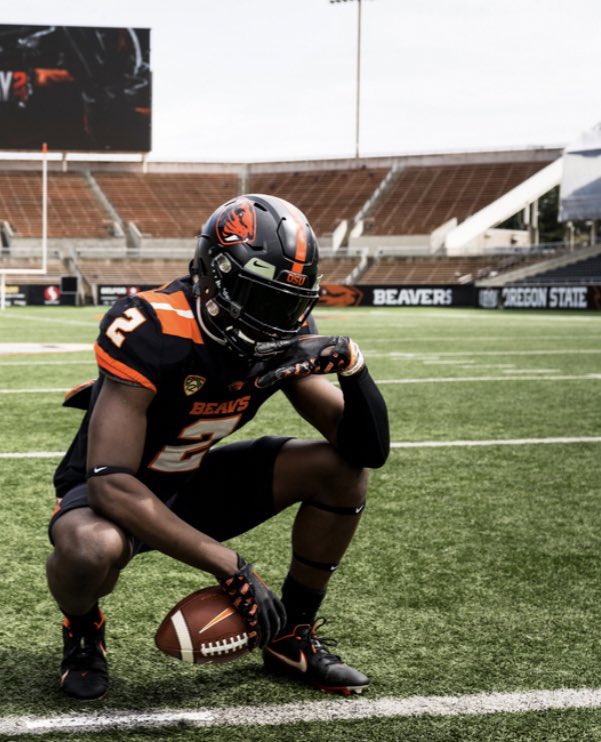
[
  {"x": 237, "y": 222},
  {"x": 339, "y": 295}
]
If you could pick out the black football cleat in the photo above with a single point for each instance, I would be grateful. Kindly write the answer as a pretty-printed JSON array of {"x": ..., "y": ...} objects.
[
  {"x": 300, "y": 654},
  {"x": 84, "y": 673}
]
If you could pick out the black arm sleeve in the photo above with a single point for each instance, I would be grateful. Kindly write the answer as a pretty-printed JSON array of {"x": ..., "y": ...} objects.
[{"x": 363, "y": 434}]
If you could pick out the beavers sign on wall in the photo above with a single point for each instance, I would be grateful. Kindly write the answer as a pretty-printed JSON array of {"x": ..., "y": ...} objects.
[{"x": 340, "y": 295}]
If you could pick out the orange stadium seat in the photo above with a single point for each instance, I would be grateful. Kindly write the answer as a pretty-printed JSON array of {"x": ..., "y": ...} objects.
[
  {"x": 433, "y": 270},
  {"x": 167, "y": 204},
  {"x": 73, "y": 210},
  {"x": 325, "y": 196},
  {"x": 420, "y": 199}
]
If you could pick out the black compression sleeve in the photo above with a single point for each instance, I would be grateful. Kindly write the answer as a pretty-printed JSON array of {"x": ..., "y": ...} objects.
[{"x": 363, "y": 434}]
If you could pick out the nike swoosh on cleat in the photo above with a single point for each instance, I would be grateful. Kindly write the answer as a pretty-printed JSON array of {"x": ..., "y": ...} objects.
[{"x": 300, "y": 664}]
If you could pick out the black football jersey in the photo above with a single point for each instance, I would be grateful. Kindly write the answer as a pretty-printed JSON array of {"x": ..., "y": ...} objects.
[{"x": 203, "y": 392}]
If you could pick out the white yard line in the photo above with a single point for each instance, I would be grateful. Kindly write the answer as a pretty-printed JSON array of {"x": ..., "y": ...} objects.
[
  {"x": 477, "y": 704},
  {"x": 425, "y": 380},
  {"x": 32, "y": 455},
  {"x": 437, "y": 362},
  {"x": 388, "y": 340},
  {"x": 497, "y": 442},
  {"x": 394, "y": 444},
  {"x": 33, "y": 391},
  {"x": 531, "y": 370},
  {"x": 52, "y": 320},
  {"x": 29, "y": 364},
  {"x": 469, "y": 353}
]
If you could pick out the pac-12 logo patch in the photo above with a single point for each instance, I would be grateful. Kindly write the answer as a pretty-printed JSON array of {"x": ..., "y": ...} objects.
[
  {"x": 237, "y": 222},
  {"x": 193, "y": 384}
]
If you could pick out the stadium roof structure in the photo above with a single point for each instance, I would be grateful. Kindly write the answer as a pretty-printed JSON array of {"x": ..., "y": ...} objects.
[{"x": 580, "y": 192}]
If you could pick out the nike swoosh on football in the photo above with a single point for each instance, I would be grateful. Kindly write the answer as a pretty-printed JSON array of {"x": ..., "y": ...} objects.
[
  {"x": 300, "y": 664},
  {"x": 220, "y": 617}
]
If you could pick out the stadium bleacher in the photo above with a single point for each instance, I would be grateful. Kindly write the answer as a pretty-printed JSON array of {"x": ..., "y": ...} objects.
[
  {"x": 337, "y": 270},
  {"x": 166, "y": 204},
  {"x": 420, "y": 199},
  {"x": 134, "y": 272},
  {"x": 391, "y": 197},
  {"x": 73, "y": 211},
  {"x": 326, "y": 196},
  {"x": 55, "y": 269}
]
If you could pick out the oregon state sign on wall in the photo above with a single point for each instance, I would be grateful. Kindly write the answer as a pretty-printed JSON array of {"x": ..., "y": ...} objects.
[{"x": 540, "y": 297}]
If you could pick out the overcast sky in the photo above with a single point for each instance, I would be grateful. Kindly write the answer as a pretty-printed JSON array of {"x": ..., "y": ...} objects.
[{"x": 276, "y": 79}]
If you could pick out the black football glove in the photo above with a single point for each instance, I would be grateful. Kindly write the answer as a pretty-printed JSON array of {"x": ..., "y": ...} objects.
[
  {"x": 262, "y": 610},
  {"x": 313, "y": 354}
]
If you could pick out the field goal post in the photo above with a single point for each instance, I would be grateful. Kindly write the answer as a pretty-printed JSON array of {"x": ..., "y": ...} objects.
[{"x": 32, "y": 271}]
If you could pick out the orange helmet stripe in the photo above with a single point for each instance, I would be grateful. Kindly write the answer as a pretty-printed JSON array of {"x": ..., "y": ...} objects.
[{"x": 300, "y": 254}]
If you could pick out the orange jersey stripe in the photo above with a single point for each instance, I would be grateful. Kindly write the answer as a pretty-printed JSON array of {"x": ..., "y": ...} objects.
[
  {"x": 174, "y": 314},
  {"x": 120, "y": 370}
]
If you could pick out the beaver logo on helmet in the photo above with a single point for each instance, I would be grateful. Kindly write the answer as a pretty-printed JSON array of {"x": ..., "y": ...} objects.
[{"x": 237, "y": 222}]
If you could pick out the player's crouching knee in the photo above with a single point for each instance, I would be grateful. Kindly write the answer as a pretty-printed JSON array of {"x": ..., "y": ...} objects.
[{"x": 87, "y": 548}]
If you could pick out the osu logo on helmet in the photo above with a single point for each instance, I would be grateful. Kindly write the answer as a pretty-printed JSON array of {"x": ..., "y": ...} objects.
[{"x": 237, "y": 222}]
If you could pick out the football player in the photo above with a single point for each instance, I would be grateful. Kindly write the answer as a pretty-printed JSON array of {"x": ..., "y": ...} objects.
[{"x": 181, "y": 368}]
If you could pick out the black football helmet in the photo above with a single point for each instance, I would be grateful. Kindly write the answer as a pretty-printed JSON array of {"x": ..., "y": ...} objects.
[{"x": 255, "y": 273}]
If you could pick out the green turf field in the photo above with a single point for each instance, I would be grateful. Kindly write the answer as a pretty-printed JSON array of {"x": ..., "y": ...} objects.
[{"x": 476, "y": 568}]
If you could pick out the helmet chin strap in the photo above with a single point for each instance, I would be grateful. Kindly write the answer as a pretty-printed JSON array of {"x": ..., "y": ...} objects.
[
  {"x": 203, "y": 325},
  {"x": 221, "y": 341}
]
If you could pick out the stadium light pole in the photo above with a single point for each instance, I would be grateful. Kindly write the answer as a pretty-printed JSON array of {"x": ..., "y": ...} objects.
[{"x": 358, "y": 81}]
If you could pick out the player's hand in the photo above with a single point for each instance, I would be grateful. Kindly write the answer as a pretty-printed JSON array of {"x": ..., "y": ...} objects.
[
  {"x": 313, "y": 354},
  {"x": 260, "y": 608}
]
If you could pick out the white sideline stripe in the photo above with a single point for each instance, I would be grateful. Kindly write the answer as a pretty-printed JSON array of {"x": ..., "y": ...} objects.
[
  {"x": 183, "y": 637},
  {"x": 26, "y": 348},
  {"x": 520, "y": 377},
  {"x": 498, "y": 442},
  {"x": 51, "y": 320},
  {"x": 394, "y": 444},
  {"x": 477, "y": 704}
]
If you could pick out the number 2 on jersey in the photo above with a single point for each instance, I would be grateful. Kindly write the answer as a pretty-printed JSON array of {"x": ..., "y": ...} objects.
[
  {"x": 186, "y": 458},
  {"x": 128, "y": 321}
]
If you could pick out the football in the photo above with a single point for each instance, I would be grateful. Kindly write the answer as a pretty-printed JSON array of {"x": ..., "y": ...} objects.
[{"x": 203, "y": 628}]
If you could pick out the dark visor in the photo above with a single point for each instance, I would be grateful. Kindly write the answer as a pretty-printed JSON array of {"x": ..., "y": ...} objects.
[{"x": 275, "y": 308}]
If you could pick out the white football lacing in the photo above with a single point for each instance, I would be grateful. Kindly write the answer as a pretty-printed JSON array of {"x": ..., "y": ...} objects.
[{"x": 225, "y": 646}]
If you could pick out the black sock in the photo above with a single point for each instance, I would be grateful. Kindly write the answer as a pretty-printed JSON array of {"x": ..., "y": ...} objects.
[
  {"x": 93, "y": 616},
  {"x": 301, "y": 603}
]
